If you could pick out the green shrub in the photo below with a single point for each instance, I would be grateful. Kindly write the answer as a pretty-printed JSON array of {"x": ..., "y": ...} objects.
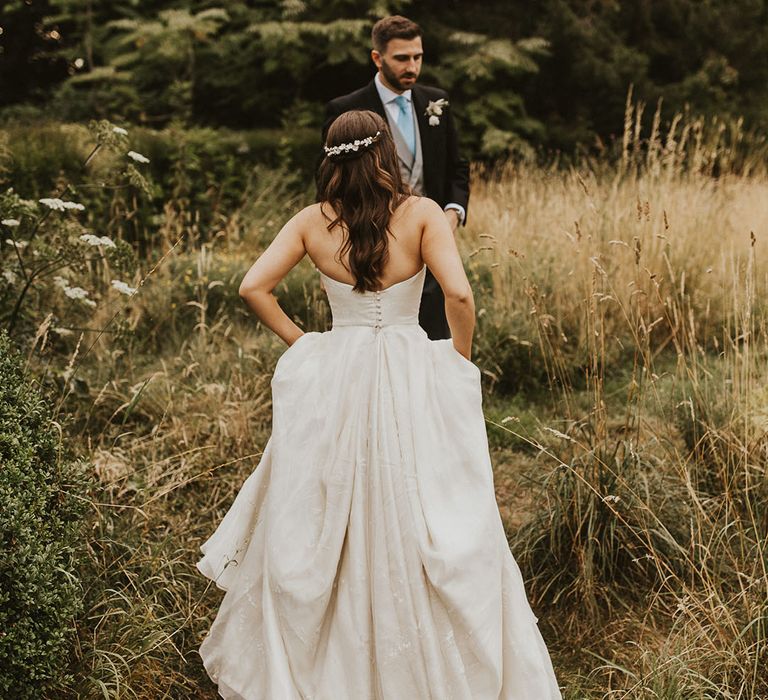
[
  {"x": 209, "y": 167},
  {"x": 43, "y": 507}
]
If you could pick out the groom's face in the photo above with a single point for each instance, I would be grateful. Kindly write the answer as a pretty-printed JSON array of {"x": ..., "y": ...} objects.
[{"x": 400, "y": 63}]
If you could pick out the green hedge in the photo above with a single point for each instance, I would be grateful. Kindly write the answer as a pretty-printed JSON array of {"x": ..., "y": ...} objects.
[
  {"x": 39, "y": 153},
  {"x": 197, "y": 177},
  {"x": 42, "y": 491}
]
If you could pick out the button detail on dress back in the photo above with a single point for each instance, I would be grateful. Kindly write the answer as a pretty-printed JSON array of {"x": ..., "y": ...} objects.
[{"x": 377, "y": 306}]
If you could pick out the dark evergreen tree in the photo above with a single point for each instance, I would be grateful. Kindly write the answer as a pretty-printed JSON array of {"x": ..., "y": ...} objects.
[{"x": 554, "y": 73}]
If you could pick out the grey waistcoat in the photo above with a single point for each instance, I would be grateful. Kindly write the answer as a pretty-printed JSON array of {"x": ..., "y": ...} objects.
[{"x": 411, "y": 167}]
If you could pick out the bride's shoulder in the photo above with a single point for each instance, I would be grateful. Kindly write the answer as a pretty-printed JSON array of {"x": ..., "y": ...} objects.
[
  {"x": 310, "y": 215},
  {"x": 418, "y": 213},
  {"x": 417, "y": 204},
  {"x": 422, "y": 207},
  {"x": 312, "y": 210}
]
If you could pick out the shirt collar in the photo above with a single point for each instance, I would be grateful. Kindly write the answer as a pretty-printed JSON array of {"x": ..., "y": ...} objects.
[{"x": 386, "y": 94}]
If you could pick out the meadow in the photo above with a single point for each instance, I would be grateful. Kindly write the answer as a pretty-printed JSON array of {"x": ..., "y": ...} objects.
[{"x": 622, "y": 341}]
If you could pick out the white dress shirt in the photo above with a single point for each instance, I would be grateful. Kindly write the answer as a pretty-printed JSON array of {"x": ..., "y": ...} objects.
[{"x": 388, "y": 98}]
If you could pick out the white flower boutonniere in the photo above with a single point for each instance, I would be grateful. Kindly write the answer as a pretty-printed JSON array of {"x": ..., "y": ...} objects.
[{"x": 435, "y": 110}]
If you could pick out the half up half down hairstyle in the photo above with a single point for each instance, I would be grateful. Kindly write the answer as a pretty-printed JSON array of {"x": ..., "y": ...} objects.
[{"x": 364, "y": 187}]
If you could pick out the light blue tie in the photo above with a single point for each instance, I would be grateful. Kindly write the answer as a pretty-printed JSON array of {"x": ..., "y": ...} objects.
[{"x": 405, "y": 122}]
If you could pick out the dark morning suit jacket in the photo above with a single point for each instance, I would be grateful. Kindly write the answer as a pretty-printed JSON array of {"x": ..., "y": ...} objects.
[{"x": 445, "y": 174}]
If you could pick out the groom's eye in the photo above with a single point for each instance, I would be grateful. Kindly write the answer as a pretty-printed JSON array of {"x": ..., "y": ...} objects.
[{"x": 404, "y": 58}]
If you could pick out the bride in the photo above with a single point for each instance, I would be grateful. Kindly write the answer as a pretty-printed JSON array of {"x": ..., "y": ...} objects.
[{"x": 365, "y": 557}]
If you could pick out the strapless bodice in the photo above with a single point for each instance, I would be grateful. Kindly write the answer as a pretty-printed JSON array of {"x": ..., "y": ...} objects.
[{"x": 396, "y": 305}]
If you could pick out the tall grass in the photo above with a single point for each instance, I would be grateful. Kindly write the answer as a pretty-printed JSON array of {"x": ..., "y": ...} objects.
[
  {"x": 622, "y": 304},
  {"x": 649, "y": 549}
]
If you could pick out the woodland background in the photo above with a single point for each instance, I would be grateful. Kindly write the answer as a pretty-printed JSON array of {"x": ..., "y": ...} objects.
[
  {"x": 552, "y": 74},
  {"x": 615, "y": 246}
]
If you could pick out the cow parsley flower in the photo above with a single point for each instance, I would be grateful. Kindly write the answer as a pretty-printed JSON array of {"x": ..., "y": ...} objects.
[
  {"x": 10, "y": 276},
  {"x": 60, "y": 205},
  {"x": 19, "y": 244},
  {"x": 119, "y": 130},
  {"x": 11, "y": 223},
  {"x": 79, "y": 294},
  {"x": 123, "y": 288},
  {"x": 76, "y": 292},
  {"x": 138, "y": 157},
  {"x": 98, "y": 240}
]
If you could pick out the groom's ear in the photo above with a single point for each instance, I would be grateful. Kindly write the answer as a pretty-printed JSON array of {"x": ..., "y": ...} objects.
[{"x": 376, "y": 57}]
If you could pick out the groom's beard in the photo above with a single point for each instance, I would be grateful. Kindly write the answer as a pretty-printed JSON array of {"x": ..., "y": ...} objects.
[{"x": 394, "y": 80}]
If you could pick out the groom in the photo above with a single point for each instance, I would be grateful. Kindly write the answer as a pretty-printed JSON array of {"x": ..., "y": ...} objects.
[{"x": 425, "y": 135}]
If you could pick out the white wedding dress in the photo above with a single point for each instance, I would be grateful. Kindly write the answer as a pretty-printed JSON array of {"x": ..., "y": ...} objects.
[{"x": 365, "y": 557}]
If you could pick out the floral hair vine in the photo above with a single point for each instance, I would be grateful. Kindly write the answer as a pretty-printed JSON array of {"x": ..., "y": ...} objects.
[{"x": 355, "y": 145}]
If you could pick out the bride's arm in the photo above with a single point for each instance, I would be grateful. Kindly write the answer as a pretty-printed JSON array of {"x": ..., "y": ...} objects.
[
  {"x": 285, "y": 251},
  {"x": 439, "y": 252}
]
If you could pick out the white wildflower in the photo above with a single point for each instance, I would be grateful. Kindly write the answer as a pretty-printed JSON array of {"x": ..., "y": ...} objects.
[
  {"x": 119, "y": 130},
  {"x": 60, "y": 281},
  {"x": 11, "y": 223},
  {"x": 79, "y": 294},
  {"x": 434, "y": 120},
  {"x": 138, "y": 157},
  {"x": 123, "y": 288},
  {"x": 19, "y": 244},
  {"x": 60, "y": 205},
  {"x": 76, "y": 292},
  {"x": 10, "y": 276},
  {"x": 90, "y": 239},
  {"x": 56, "y": 204}
]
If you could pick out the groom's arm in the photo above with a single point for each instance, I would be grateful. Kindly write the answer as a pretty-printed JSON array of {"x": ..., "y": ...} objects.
[{"x": 456, "y": 171}]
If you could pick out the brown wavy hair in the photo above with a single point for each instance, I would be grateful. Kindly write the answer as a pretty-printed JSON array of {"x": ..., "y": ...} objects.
[{"x": 364, "y": 187}]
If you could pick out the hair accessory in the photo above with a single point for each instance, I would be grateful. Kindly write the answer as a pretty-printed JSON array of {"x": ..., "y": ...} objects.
[{"x": 355, "y": 145}]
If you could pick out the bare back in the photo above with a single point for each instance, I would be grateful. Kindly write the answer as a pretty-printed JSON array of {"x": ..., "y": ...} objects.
[
  {"x": 420, "y": 235},
  {"x": 406, "y": 229}
]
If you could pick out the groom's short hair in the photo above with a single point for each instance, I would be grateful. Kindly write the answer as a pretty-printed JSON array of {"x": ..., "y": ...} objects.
[{"x": 394, "y": 27}]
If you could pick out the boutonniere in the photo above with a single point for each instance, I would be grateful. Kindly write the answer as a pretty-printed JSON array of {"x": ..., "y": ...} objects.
[{"x": 435, "y": 110}]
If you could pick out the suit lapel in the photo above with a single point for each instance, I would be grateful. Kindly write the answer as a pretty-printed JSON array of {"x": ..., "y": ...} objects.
[
  {"x": 374, "y": 101},
  {"x": 426, "y": 132}
]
